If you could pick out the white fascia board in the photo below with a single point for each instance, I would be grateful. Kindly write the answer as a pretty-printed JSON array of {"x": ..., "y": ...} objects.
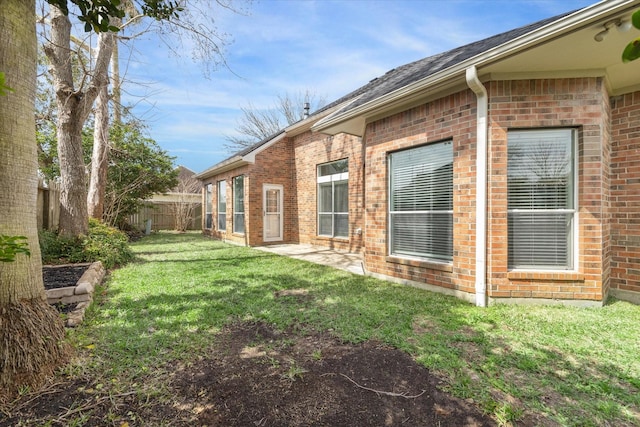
[
  {"x": 251, "y": 156},
  {"x": 238, "y": 161},
  {"x": 550, "y": 31},
  {"x": 224, "y": 166},
  {"x": 294, "y": 129},
  {"x": 318, "y": 126},
  {"x": 308, "y": 123}
]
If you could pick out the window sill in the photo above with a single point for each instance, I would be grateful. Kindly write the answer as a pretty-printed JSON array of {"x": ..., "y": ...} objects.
[
  {"x": 431, "y": 265},
  {"x": 333, "y": 239},
  {"x": 563, "y": 276}
]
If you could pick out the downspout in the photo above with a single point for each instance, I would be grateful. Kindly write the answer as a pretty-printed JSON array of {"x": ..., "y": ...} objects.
[{"x": 481, "y": 183}]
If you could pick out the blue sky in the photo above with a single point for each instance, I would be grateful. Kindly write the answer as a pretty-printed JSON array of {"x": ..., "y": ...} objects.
[{"x": 289, "y": 46}]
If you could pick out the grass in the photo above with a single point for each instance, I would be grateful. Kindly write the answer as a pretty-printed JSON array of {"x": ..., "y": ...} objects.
[{"x": 576, "y": 366}]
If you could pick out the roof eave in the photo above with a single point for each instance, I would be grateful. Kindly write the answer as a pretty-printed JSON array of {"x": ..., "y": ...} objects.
[
  {"x": 227, "y": 165},
  {"x": 310, "y": 122},
  {"x": 354, "y": 121}
]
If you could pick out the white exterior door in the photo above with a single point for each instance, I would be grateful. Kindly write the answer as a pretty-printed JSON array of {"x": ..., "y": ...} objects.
[{"x": 273, "y": 221}]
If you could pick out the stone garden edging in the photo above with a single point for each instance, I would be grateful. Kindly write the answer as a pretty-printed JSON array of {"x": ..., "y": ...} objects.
[{"x": 80, "y": 294}]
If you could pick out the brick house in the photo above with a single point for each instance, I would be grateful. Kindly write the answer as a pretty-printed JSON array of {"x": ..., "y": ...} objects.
[{"x": 506, "y": 170}]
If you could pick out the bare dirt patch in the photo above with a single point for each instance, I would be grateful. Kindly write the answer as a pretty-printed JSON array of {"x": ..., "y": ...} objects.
[{"x": 257, "y": 376}]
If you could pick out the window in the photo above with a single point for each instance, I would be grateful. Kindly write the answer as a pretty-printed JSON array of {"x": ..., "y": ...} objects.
[
  {"x": 541, "y": 198},
  {"x": 238, "y": 204},
  {"x": 208, "y": 222},
  {"x": 333, "y": 199},
  {"x": 421, "y": 202},
  {"x": 222, "y": 205}
]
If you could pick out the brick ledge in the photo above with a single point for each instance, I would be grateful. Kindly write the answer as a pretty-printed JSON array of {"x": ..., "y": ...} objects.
[{"x": 561, "y": 276}]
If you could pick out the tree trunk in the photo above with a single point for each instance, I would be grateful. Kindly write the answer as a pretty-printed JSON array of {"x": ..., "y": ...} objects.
[
  {"x": 74, "y": 106},
  {"x": 31, "y": 332},
  {"x": 99, "y": 157},
  {"x": 100, "y": 154},
  {"x": 116, "y": 83}
]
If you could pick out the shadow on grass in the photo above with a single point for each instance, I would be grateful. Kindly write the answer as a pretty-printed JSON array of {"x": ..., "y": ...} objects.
[{"x": 516, "y": 363}]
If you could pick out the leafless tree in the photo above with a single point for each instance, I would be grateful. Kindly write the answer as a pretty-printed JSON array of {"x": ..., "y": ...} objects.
[
  {"x": 183, "y": 207},
  {"x": 194, "y": 24},
  {"x": 257, "y": 124}
]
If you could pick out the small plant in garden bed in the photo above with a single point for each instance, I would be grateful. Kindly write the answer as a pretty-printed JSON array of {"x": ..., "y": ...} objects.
[{"x": 102, "y": 243}]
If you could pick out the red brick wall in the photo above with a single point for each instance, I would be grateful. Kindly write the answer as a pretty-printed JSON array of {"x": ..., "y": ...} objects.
[
  {"x": 310, "y": 150},
  {"x": 581, "y": 103},
  {"x": 272, "y": 166},
  {"x": 452, "y": 117},
  {"x": 292, "y": 163},
  {"x": 625, "y": 193},
  {"x": 227, "y": 234}
]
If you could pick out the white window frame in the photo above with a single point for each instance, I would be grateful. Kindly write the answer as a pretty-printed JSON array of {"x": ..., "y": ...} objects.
[
  {"x": 238, "y": 216},
  {"x": 221, "y": 188},
  {"x": 572, "y": 237},
  {"x": 208, "y": 201},
  {"x": 435, "y": 250},
  {"x": 334, "y": 179}
]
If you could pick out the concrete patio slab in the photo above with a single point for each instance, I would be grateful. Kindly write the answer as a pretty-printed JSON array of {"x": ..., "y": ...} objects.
[{"x": 320, "y": 255}]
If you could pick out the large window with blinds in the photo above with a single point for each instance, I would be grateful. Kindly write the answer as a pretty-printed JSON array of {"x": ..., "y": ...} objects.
[
  {"x": 208, "y": 221},
  {"x": 238, "y": 204},
  {"x": 421, "y": 202},
  {"x": 222, "y": 206},
  {"x": 333, "y": 199},
  {"x": 541, "y": 198}
]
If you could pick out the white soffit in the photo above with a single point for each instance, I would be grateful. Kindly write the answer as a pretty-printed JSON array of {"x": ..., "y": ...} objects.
[{"x": 577, "y": 54}]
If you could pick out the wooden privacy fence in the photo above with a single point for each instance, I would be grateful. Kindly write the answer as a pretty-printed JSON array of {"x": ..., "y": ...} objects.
[
  {"x": 162, "y": 217},
  {"x": 48, "y": 205},
  {"x": 160, "y": 212}
]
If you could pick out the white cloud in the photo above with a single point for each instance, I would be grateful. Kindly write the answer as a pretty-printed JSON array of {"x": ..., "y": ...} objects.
[{"x": 329, "y": 47}]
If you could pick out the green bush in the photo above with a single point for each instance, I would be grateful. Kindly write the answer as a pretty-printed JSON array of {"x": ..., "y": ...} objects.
[{"x": 103, "y": 243}]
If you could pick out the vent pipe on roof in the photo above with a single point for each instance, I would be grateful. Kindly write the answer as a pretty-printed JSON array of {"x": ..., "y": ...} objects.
[
  {"x": 481, "y": 183},
  {"x": 306, "y": 110}
]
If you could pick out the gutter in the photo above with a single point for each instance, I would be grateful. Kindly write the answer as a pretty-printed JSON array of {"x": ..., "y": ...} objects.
[
  {"x": 248, "y": 156},
  {"x": 243, "y": 158},
  {"x": 569, "y": 23},
  {"x": 482, "y": 112},
  {"x": 226, "y": 165}
]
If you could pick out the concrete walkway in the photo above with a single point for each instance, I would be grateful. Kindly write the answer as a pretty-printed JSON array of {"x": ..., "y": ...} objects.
[{"x": 319, "y": 255}]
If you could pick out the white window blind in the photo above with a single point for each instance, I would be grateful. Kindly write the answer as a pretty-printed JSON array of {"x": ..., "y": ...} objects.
[
  {"x": 208, "y": 207},
  {"x": 238, "y": 204},
  {"x": 421, "y": 202},
  {"x": 222, "y": 205},
  {"x": 541, "y": 198}
]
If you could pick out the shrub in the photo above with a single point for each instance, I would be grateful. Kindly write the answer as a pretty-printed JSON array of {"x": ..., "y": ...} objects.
[{"x": 103, "y": 243}]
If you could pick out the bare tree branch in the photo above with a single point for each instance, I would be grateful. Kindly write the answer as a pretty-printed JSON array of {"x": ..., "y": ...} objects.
[{"x": 255, "y": 124}]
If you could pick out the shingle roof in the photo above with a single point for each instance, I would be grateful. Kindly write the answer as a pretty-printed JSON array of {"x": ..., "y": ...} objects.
[
  {"x": 404, "y": 75},
  {"x": 259, "y": 144},
  {"x": 409, "y": 73}
]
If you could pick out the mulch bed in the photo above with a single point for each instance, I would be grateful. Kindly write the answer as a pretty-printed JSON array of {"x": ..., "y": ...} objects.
[
  {"x": 61, "y": 276},
  {"x": 257, "y": 376}
]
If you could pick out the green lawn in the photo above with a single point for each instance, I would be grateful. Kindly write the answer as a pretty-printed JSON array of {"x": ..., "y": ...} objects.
[{"x": 576, "y": 366}]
